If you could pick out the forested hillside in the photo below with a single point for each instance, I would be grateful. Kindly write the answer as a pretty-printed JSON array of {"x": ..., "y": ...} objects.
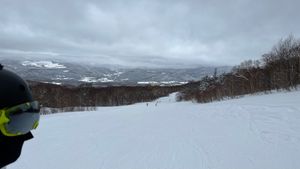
[
  {"x": 70, "y": 98},
  {"x": 278, "y": 69}
]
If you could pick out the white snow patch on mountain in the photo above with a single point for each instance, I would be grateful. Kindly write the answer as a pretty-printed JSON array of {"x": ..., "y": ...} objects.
[
  {"x": 146, "y": 83},
  {"x": 94, "y": 80},
  {"x": 161, "y": 83},
  {"x": 62, "y": 78},
  {"x": 105, "y": 80},
  {"x": 118, "y": 73},
  {"x": 113, "y": 74},
  {"x": 44, "y": 64},
  {"x": 254, "y": 132},
  {"x": 55, "y": 83},
  {"x": 88, "y": 79}
]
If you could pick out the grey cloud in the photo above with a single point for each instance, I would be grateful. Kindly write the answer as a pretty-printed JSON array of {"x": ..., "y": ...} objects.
[{"x": 146, "y": 33}]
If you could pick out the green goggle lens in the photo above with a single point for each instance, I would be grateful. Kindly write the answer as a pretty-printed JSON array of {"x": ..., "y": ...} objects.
[{"x": 22, "y": 118}]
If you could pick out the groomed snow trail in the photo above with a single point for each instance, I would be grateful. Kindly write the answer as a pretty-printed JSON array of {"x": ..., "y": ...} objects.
[{"x": 255, "y": 132}]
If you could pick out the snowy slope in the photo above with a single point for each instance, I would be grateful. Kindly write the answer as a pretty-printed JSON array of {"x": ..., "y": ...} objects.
[{"x": 255, "y": 132}]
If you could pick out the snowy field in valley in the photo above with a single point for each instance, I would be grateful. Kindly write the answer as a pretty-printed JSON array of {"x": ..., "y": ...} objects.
[{"x": 254, "y": 132}]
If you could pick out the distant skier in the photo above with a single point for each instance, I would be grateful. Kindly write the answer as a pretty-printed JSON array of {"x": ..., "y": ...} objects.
[{"x": 19, "y": 114}]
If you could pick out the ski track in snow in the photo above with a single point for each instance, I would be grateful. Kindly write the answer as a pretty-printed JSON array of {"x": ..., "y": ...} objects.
[{"x": 254, "y": 132}]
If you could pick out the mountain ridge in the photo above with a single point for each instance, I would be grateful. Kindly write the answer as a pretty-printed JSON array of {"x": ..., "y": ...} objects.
[{"x": 61, "y": 72}]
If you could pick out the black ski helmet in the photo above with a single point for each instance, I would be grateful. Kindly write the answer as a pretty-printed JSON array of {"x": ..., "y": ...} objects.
[{"x": 13, "y": 89}]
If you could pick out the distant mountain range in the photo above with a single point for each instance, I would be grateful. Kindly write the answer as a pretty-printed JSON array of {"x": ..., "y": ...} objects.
[{"x": 64, "y": 73}]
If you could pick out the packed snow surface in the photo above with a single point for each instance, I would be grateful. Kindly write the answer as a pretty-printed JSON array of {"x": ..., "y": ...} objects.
[{"x": 254, "y": 132}]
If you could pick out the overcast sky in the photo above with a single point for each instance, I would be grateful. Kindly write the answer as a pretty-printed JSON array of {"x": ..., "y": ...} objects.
[{"x": 146, "y": 32}]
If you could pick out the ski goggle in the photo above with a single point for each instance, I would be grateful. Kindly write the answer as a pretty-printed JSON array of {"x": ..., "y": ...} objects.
[{"x": 20, "y": 119}]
